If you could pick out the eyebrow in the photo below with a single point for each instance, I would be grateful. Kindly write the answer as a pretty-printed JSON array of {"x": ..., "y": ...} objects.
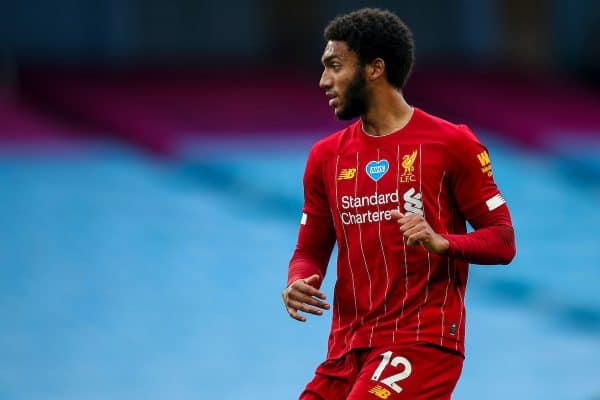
[{"x": 330, "y": 59}]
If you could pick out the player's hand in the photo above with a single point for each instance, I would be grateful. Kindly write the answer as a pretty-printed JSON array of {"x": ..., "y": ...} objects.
[
  {"x": 417, "y": 231},
  {"x": 303, "y": 295}
]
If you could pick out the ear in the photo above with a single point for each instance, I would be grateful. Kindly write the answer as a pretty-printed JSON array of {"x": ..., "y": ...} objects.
[{"x": 375, "y": 69}]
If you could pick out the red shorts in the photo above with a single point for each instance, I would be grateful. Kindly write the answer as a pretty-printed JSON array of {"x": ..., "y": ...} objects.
[{"x": 413, "y": 372}]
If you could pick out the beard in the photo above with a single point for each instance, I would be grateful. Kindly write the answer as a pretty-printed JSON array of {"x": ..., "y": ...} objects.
[{"x": 355, "y": 98}]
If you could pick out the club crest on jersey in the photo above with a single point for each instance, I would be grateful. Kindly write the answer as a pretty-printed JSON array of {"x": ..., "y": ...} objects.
[
  {"x": 377, "y": 169},
  {"x": 408, "y": 161}
]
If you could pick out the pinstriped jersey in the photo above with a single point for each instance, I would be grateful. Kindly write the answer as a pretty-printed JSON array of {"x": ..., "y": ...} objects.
[{"x": 386, "y": 291}]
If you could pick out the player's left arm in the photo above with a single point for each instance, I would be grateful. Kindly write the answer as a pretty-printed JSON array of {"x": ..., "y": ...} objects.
[
  {"x": 492, "y": 242},
  {"x": 478, "y": 198}
]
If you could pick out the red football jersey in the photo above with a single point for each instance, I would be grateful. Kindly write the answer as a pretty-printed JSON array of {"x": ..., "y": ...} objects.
[{"x": 387, "y": 292}]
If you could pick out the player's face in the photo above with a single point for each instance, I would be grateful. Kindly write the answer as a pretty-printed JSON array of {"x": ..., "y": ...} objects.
[{"x": 343, "y": 80}]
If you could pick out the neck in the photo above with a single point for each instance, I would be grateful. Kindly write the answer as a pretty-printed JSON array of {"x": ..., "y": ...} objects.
[{"x": 388, "y": 112}]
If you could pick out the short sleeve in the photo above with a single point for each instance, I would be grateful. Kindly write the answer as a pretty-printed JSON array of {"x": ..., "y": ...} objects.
[
  {"x": 472, "y": 182},
  {"x": 315, "y": 197}
]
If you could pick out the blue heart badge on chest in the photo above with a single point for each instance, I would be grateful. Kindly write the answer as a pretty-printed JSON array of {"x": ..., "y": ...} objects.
[{"x": 377, "y": 169}]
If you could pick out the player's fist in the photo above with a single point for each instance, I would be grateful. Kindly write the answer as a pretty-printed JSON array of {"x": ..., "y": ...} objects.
[
  {"x": 417, "y": 231},
  {"x": 304, "y": 295}
]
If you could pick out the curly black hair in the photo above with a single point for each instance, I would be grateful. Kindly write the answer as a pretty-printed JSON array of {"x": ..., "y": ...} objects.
[{"x": 374, "y": 33}]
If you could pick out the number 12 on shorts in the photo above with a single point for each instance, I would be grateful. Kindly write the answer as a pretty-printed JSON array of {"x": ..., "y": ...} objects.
[{"x": 391, "y": 381}]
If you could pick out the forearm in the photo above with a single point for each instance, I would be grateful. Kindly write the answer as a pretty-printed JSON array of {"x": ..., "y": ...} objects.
[
  {"x": 492, "y": 242},
  {"x": 487, "y": 246},
  {"x": 313, "y": 250},
  {"x": 303, "y": 266}
]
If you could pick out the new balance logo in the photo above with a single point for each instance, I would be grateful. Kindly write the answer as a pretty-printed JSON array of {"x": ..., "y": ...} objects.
[
  {"x": 347, "y": 173},
  {"x": 380, "y": 392}
]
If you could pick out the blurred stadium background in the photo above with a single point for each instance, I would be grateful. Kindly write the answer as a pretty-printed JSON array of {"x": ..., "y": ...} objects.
[{"x": 151, "y": 156}]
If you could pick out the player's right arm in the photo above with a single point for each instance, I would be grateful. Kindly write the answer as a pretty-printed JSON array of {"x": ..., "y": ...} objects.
[{"x": 316, "y": 238}]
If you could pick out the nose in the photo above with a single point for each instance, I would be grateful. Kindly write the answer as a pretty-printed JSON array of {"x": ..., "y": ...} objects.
[{"x": 325, "y": 81}]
